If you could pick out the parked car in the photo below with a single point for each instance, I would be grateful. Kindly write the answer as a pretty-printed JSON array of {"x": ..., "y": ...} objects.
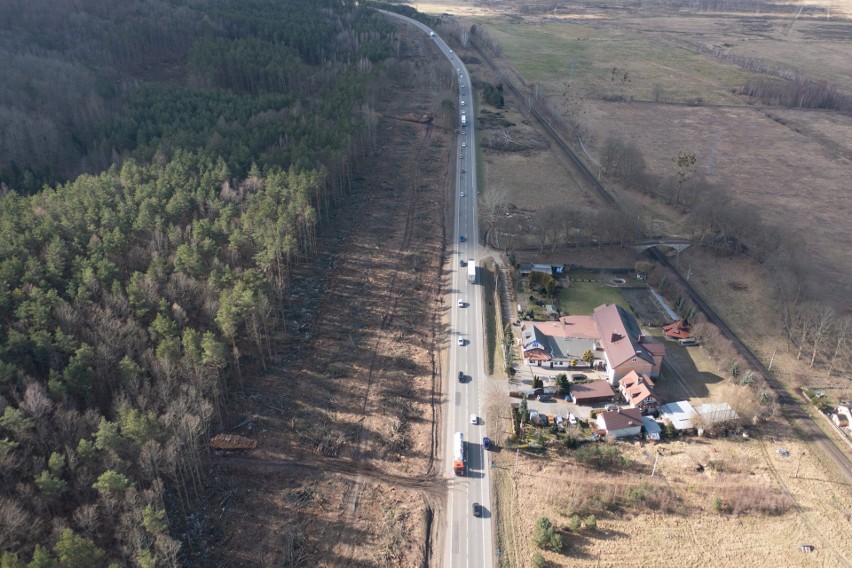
[
  {"x": 486, "y": 443},
  {"x": 578, "y": 377},
  {"x": 610, "y": 407},
  {"x": 545, "y": 398},
  {"x": 572, "y": 420},
  {"x": 477, "y": 510}
]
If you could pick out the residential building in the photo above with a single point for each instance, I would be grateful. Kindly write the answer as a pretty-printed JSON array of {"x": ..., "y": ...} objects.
[
  {"x": 637, "y": 390},
  {"x": 611, "y": 334},
  {"x": 621, "y": 423}
]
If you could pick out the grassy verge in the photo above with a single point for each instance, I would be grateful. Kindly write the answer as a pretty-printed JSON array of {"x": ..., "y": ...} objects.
[{"x": 487, "y": 278}]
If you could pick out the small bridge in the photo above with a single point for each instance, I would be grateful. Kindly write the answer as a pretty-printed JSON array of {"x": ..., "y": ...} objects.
[{"x": 679, "y": 245}]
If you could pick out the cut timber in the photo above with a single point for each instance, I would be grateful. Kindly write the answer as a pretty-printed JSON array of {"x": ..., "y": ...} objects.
[{"x": 232, "y": 442}]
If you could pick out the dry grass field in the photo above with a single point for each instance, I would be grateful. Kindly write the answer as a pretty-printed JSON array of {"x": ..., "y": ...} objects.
[{"x": 749, "y": 507}]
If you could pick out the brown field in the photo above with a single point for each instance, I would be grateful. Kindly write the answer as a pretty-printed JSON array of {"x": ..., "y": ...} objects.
[
  {"x": 794, "y": 180},
  {"x": 644, "y": 520}
]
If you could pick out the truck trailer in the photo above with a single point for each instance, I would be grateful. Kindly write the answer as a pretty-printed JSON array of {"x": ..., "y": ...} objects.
[
  {"x": 458, "y": 454},
  {"x": 471, "y": 271}
]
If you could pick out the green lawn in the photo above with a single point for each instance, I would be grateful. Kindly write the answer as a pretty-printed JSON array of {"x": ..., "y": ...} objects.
[
  {"x": 581, "y": 298},
  {"x": 558, "y": 54}
]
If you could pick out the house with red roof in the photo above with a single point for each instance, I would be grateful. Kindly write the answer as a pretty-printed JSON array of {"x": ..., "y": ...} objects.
[
  {"x": 637, "y": 390},
  {"x": 612, "y": 335},
  {"x": 678, "y": 330}
]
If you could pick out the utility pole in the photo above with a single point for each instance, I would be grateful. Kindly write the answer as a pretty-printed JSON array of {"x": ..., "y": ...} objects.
[{"x": 654, "y": 470}]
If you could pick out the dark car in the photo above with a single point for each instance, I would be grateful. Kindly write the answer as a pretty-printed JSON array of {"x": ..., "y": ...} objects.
[
  {"x": 579, "y": 376},
  {"x": 462, "y": 262},
  {"x": 461, "y": 377},
  {"x": 477, "y": 510},
  {"x": 486, "y": 443},
  {"x": 461, "y": 238}
]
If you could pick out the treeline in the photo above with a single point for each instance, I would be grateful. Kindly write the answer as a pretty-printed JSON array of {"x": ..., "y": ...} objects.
[
  {"x": 131, "y": 300},
  {"x": 797, "y": 93},
  {"x": 84, "y": 81}
]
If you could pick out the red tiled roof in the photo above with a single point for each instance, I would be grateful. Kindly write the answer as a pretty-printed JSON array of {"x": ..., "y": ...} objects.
[
  {"x": 678, "y": 330},
  {"x": 616, "y": 340},
  {"x": 632, "y": 378},
  {"x": 592, "y": 389},
  {"x": 637, "y": 393}
]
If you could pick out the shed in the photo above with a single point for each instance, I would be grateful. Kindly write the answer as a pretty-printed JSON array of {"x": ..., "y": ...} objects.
[
  {"x": 680, "y": 414},
  {"x": 592, "y": 392},
  {"x": 651, "y": 427}
]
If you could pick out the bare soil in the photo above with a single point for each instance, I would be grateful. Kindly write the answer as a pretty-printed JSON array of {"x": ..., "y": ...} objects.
[{"x": 345, "y": 471}]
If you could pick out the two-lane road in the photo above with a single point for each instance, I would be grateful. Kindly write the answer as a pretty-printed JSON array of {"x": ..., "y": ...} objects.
[{"x": 469, "y": 539}]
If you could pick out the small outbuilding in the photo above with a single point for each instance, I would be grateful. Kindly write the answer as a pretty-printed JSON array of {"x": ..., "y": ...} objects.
[
  {"x": 651, "y": 427},
  {"x": 680, "y": 414},
  {"x": 592, "y": 393}
]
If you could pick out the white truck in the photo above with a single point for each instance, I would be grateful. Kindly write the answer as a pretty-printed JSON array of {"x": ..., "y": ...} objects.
[
  {"x": 464, "y": 120},
  {"x": 471, "y": 271}
]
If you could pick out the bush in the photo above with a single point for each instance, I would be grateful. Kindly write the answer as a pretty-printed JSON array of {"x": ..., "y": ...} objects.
[
  {"x": 591, "y": 523},
  {"x": 574, "y": 522},
  {"x": 545, "y": 535},
  {"x": 600, "y": 456},
  {"x": 538, "y": 560}
]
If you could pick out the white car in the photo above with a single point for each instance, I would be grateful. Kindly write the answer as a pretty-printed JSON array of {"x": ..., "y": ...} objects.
[
  {"x": 572, "y": 419},
  {"x": 462, "y": 103},
  {"x": 464, "y": 144},
  {"x": 474, "y": 419},
  {"x": 461, "y": 303},
  {"x": 461, "y": 342},
  {"x": 462, "y": 194}
]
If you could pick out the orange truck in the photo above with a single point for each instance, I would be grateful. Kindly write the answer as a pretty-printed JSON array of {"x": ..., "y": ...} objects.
[{"x": 458, "y": 454}]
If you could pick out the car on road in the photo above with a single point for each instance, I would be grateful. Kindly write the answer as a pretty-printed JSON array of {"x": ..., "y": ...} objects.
[
  {"x": 474, "y": 419},
  {"x": 464, "y": 132},
  {"x": 461, "y": 377},
  {"x": 461, "y": 342},
  {"x": 451, "y": 51},
  {"x": 464, "y": 144},
  {"x": 477, "y": 510},
  {"x": 461, "y": 303},
  {"x": 610, "y": 407},
  {"x": 486, "y": 443},
  {"x": 462, "y": 103},
  {"x": 578, "y": 377},
  {"x": 462, "y": 262},
  {"x": 464, "y": 171},
  {"x": 462, "y": 194},
  {"x": 461, "y": 238}
]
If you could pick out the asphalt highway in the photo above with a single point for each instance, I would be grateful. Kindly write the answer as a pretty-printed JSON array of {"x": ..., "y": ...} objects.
[{"x": 468, "y": 538}]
